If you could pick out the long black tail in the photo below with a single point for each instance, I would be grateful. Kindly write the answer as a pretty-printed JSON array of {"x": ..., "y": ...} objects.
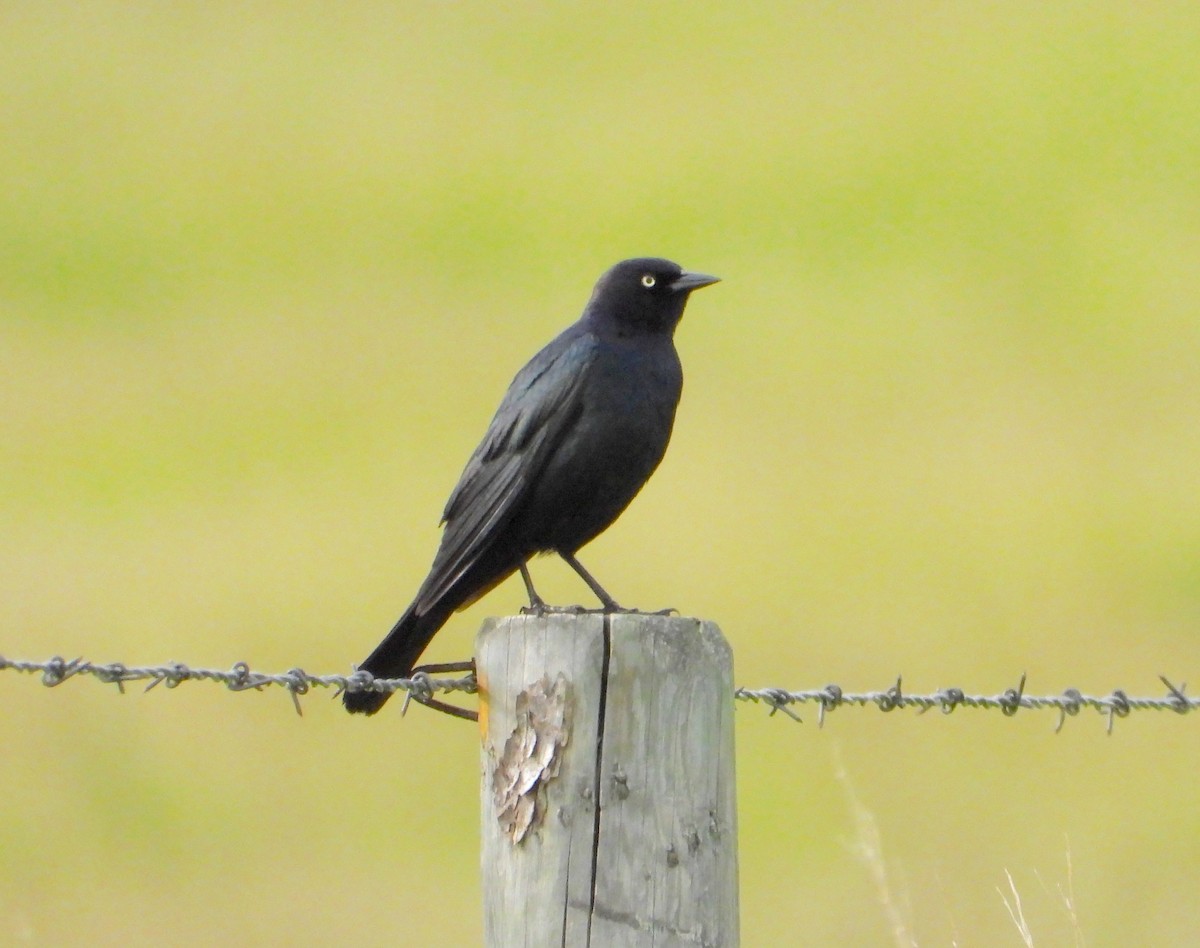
[{"x": 395, "y": 656}]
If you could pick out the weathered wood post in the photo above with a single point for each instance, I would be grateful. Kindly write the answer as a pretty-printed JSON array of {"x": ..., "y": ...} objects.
[{"x": 608, "y": 795}]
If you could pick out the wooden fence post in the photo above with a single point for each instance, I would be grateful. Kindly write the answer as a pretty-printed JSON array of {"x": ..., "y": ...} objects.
[{"x": 608, "y": 797}]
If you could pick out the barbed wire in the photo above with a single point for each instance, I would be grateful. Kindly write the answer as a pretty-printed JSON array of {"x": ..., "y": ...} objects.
[
  {"x": 1118, "y": 704},
  {"x": 240, "y": 677},
  {"x": 422, "y": 686}
]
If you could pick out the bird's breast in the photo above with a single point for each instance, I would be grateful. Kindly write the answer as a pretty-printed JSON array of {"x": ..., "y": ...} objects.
[{"x": 631, "y": 395}]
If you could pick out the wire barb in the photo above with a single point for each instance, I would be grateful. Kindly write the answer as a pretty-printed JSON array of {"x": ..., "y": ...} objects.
[{"x": 1181, "y": 703}]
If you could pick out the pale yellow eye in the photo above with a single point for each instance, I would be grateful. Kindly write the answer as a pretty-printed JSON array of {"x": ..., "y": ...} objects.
[{"x": 648, "y": 280}]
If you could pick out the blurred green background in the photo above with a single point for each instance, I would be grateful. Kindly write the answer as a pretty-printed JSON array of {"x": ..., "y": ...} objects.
[{"x": 265, "y": 271}]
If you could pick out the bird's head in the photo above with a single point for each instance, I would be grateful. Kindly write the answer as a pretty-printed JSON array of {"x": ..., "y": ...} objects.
[{"x": 643, "y": 295}]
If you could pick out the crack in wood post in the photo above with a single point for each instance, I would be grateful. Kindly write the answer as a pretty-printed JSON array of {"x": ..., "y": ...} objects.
[{"x": 599, "y": 765}]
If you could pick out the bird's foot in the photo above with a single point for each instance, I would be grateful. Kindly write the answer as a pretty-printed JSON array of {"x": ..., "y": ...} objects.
[
  {"x": 541, "y": 608},
  {"x": 621, "y": 610},
  {"x": 607, "y": 609},
  {"x": 537, "y": 605}
]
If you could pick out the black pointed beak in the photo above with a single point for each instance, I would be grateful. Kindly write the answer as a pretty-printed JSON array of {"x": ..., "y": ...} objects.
[{"x": 686, "y": 282}]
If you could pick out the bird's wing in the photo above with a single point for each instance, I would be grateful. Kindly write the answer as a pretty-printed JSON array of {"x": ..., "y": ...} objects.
[{"x": 539, "y": 408}]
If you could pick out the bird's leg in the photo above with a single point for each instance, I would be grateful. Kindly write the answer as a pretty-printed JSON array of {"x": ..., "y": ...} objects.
[
  {"x": 537, "y": 605},
  {"x": 610, "y": 604}
]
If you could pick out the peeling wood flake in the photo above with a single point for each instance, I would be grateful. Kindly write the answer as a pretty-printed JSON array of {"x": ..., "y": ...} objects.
[{"x": 532, "y": 755}]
